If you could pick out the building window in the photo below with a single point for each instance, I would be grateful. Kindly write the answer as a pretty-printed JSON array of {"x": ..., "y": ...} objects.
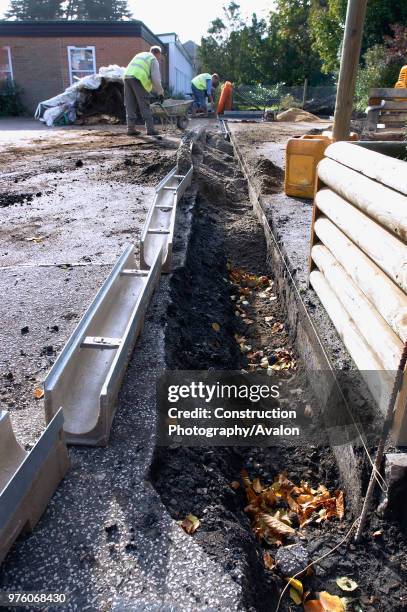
[
  {"x": 82, "y": 62},
  {"x": 6, "y": 68}
]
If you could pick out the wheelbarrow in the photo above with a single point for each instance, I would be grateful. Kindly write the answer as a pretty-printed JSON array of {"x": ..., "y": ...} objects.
[{"x": 174, "y": 112}]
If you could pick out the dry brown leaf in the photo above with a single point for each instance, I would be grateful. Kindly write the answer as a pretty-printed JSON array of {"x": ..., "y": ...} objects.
[
  {"x": 190, "y": 524},
  {"x": 245, "y": 478},
  {"x": 308, "y": 412},
  {"x": 257, "y": 486},
  {"x": 268, "y": 560},
  {"x": 305, "y": 499},
  {"x": 216, "y": 327},
  {"x": 253, "y": 497},
  {"x": 38, "y": 393},
  {"x": 292, "y": 503},
  {"x": 331, "y": 603},
  {"x": 277, "y": 327},
  {"x": 313, "y": 605},
  {"x": 340, "y": 504},
  {"x": 235, "y": 484},
  {"x": 275, "y": 526}
]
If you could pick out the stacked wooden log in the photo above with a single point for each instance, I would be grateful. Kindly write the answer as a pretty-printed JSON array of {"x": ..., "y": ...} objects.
[{"x": 359, "y": 261}]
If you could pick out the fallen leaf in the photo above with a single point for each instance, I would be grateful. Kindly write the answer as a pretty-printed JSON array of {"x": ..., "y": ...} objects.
[
  {"x": 246, "y": 480},
  {"x": 295, "y": 596},
  {"x": 308, "y": 411},
  {"x": 35, "y": 239},
  {"x": 216, "y": 327},
  {"x": 346, "y": 584},
  {"x": 331, "y": 603},
  {"x": 268, "y": 561},
  {"x": 38, "y": 393},
  {"x": 313, "y": 605},
  {"x": 190, "y": 524},
  {"x": 257, "y": 486},
  {"x": 340, "y": 504},
  {"x": 377, "y": 534},
  {"x": 296, "y": 585},
  {"x": 235, "y": 485},
  {"x": 275, "y": 526},
  {"x": 277, "y": 327}
]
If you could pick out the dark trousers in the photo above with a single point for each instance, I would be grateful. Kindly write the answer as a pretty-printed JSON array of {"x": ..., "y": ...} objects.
[{"x": 137, "y": 102}]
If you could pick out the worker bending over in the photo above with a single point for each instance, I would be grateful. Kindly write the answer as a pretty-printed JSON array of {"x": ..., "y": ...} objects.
[
  {"x": 203, "y": 86},
  {"x": 141, "y": 77}
]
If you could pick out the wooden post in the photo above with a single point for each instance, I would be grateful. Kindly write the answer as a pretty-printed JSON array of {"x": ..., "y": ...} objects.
[
  {"x": 305, "y": 92},
  {"x": 352, "y": 41}
]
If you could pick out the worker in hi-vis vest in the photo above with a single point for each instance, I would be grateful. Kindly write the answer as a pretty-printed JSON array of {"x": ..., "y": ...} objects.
[
  {"x": 203, "y": 86},
  {"x": 141, "y": 77}
]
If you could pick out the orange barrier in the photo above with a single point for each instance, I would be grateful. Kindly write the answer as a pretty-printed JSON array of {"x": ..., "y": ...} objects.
[
  {"x": 402, "y": 82},
  {"x": 226, "y": 97}
]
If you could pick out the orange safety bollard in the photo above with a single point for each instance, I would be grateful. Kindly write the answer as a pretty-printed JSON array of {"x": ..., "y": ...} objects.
[{"x": 226, "y": 98}]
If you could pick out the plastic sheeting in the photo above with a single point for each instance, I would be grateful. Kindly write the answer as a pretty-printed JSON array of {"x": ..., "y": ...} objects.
[{"x": 61, "y": 109}]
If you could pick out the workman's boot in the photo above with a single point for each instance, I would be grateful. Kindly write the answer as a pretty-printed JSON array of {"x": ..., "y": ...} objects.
[
  {"x": 131, "y": 131},
  {"x": 155, "y": 133}
]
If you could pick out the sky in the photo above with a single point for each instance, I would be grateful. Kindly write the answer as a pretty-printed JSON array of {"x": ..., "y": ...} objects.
[{"x": 190, "y": 20}]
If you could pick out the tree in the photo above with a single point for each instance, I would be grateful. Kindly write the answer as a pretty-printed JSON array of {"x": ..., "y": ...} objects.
[
  {"x": 104, "y": 10},
  {"x": 327, "y": 25},
  {"x": 220, "y": 50},
  {"x": 327, "y": 22},
  {"x": 99, "y": 10},
  {"x": 295, "y": 58},
  {"x": 35, "y": 9},
  {"x": 259, "y": 51}
]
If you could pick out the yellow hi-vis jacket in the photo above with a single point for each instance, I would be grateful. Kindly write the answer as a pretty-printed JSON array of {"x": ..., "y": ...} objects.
[
  {"x": 140, "y": 68},
  {"x": 200, "y": 80}
]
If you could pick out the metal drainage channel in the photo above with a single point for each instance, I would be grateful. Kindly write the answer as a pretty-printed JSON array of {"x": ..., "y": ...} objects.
[{"x": 81, "y": 388}]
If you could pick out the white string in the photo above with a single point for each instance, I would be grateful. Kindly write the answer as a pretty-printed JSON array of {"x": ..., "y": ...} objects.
[
  {"x": 317, "y": 561},
  {"x": 378, "y": 477}
]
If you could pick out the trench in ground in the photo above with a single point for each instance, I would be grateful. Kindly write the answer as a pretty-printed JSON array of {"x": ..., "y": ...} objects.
[{"x": 226, "y": 234}]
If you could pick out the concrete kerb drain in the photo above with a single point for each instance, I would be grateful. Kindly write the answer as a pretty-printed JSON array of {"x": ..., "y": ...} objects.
[
  {"x": 28, "y": 479},
  {"x": 82, "y": 387}
]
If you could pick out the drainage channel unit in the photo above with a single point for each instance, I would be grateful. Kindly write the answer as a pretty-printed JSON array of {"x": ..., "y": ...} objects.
[{"x": 28, "y": 479}]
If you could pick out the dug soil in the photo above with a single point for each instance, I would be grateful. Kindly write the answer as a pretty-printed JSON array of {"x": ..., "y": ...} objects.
[{"x": 227, "y": 242}]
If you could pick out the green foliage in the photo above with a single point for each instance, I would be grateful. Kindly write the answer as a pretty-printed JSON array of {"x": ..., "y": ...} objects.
[
  {"x": 327, "y": 22},
  {"x": 104, "y": 10},
  {"x": 288, "y": 101},
  {"x": 233, "y": 48},
  {"x": 377, "y": 71},
  {"x": 10, "y": 101},
  {"x": 35, "y": 9},
  {"x": 99, "y": 10},
  {"x": 397, "y": 44},
  {"x": 295, "y": 59},
  {"x": 262, "y": 51}
]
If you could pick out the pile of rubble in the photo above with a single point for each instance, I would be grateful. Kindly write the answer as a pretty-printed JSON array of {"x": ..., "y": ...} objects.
[{"x": 93, "y": 99}]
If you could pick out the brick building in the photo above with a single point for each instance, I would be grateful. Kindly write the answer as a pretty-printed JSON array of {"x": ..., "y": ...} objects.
[{"x": 44, "y": 57}]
